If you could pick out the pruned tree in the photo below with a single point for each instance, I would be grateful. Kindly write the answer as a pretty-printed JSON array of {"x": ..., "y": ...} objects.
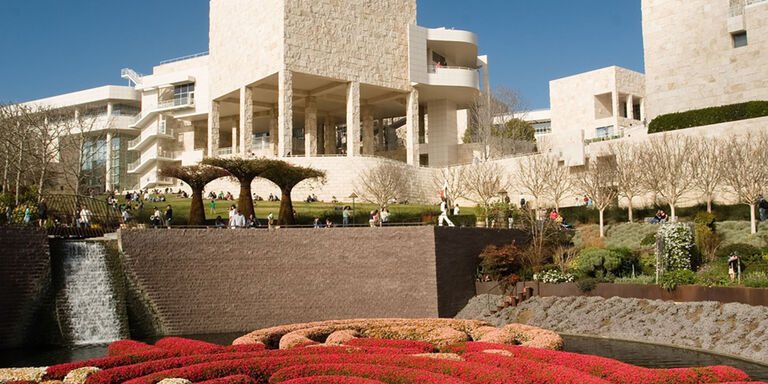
[
  {"x": 287, "y": 176},
  {"x": 557, "y": 181},
  {"x": 707, "y": 169},
  {"x": 668, "y": 169},
  {"x": 487, "y": 127},
  {"x": 629, "y": 169},
  {"x": 197, "y": 177},
  {"x": 453, "y": 178},
  {"x": 482, "y": 182},
  {"x": 531, "y": 177},
  {"x": 744, "y": 170},
  {"x": 597, "y": 180},
  {"x": 381, "y": 184},
  {"x": 244, "y": 171}
]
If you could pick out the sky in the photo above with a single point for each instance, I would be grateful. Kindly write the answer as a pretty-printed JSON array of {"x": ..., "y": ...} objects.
[{"x": 51, "y": 47}]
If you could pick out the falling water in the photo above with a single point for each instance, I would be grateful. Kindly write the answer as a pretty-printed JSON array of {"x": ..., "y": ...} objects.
[{"x": 86, "y": 304}]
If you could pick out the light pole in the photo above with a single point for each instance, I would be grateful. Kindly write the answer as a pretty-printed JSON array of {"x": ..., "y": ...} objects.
[{"x": 353, "y": 196}]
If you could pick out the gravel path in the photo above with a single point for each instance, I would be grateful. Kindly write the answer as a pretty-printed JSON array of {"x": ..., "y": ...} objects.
[{"x": 734, "y": 329}]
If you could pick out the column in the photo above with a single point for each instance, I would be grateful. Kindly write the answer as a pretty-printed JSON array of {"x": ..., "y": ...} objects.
[
  {"x": 108, "y": 175},
  {"x": 368, "y": 143},
  {"x": 642, "y": 110},
  {"x": 329, "y": 129},
  {"x": 285, "y": 114},
  {"x": 214, "y": 125},
  {"x": 353, "y": 119},
  {"x": 310, "y": 127},
  {"x": 246, "y": 121},
  {"x": 273, "y": 139},
  {"x": 412, "y": 128},
  {"x": 630, "y": 108},
  {"x": 380, "y": 141},
  {"x": 616, "y": 105},
  {"x": 234, "y": 139},
  {"x": 320, "y": 137}
]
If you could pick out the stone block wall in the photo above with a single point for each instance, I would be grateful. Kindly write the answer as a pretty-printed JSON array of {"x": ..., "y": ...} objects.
[
  {"x": 25, "y": 270},
  {"x": 206, "y": 281}
]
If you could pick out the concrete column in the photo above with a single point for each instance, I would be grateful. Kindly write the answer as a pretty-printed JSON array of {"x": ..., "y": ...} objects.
[
  {"x": 368, "y": 143},
  {"x": 380, "y": 137},
  {"x": 246, "y": 121},
  {"x": 285, "y": 114},
  {"x": 273, "y": 139},
  {"x": 329, "y": 130},
  {"x": 630, "y": 108},
  {"x": 320, "y": 137},
  {"x": 616, "y": 108},
  {"x": 353, "y": 119},
  {"x": 310, "y": 127},
  {"x": 214, "y": 125},
  {"x": 443, "y": 127},
  {"x": 412, "y": 128},
  {"x": 108, "y": 175},
  {"x": 234, "y": 139},
  {"x": 110, "y": 109},
  {"x": 642, "y": 109}
]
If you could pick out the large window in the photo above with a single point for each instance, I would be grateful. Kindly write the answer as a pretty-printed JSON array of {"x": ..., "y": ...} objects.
[
  {"x": 739, "y": 39},
  {"x": 125, "y": 110},
  {"x": 183, "y": 94},
  {"x": 542, "y": 128}
]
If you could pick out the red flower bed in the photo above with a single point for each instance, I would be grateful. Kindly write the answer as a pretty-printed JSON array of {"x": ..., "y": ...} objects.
[
  {"x": 129, "y": 347},
  {"x": 383, "y": 373},
  {"x": 419, "y": 346},
  {"x": 58, "y": 372},
  {"x": 332, "y": 380},
  {"x": 188, "y": 347},
  {"x": 235, "y": 379}
]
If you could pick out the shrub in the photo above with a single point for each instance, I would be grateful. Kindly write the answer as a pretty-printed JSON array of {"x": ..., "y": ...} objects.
[
  {"x": 641, "y": 279},
  {"x": 500, "y": 263},
  {"x": 554, "y": 276},
  {"x": 714, "y": 275},
  {"x": 595, "y": 262},
  {"x": 708, "y": 116},
  {"x": 746, "y": 252},
  {"x": 677, "y": 246},
  {"x": 705, "y": 218},
  {"x": 588, "y": 284},
  {"x": 671, "y": 280},
  {"x": 758, "y": 279}
]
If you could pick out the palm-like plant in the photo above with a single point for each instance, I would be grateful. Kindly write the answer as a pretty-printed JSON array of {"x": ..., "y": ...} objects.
[
  {"x": 287, "y": 176},
  {"x": 244, "y": 170},
  {"x": 197, "y": 176}
]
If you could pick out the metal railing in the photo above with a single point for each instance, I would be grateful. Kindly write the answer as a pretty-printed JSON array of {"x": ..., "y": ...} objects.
[
  {"x": 435, "y": 68},
  {"x": 224, "y": 151},
  {"x": 130, "y": 74},
  {"x": 182, "y": 58},
  {"x": 183, "y": 101},
  {"x": 162, "y": 129}
]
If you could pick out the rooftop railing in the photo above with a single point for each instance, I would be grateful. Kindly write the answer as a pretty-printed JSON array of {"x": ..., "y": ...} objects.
[{"x": 182, "y": 58}]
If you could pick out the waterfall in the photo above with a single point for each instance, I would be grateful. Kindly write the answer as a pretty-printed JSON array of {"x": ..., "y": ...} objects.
[{"x": 87, "y": 305}]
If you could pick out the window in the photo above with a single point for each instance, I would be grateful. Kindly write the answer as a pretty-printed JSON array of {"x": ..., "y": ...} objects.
[
  {"x": 739, "y": 39},
  {"x": 542, "y": 128},
  {"x": 125, "y": 110},
  {"x": 636, "y": 111},
  {"x": 183, "y": 94}
]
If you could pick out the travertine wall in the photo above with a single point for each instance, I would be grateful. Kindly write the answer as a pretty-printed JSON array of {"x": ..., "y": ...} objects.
[
  {"x": 246, "y": 42},
  {"x": 25, "y": 273},
  {"x": 354, "y": 40},
  {"x": 690, "y": 61},
  {"x": 205, "y": 281}
]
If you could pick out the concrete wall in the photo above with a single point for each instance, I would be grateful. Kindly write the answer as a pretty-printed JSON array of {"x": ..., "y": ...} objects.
[
  {"x": 203, "y": 281},
  {"x": 690, "y": 61},
  {"x": 25, "y": 272},
  {"x": 353, "y": 40}
]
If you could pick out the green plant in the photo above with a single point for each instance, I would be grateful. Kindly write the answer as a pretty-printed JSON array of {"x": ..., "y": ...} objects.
[
  {"x": 713, "y": 275},
  {"x": 677, "y": 241},
  {"x": 672, "y": 279},
  {"x": 499, "y": 263},
  {"x": 554, "y": 276},
  {"x": 707, "y": 241},
  {"x": 758, "y": 279},
  {"x": 648, "y": 264},
  {"x": 706, "y": 219},
  {"x": 746, "y": 252},
  {"x": 649, "y": 239},
  {"x": 708, "y": 116},
  {"x": 589, "y": 284},
  {"x": 640, "y": 279}
]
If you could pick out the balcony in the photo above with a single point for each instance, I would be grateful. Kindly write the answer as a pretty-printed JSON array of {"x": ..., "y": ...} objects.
[
  {"x": 162, "y": 155},
  {"x": 453, "y": 76},
  {"x": 161, "y": 130},
  {"x": 186, "y": 100}
]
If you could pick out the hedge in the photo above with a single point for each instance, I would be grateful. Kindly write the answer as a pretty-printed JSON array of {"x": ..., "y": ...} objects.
[{"x": 708, "y": 116}]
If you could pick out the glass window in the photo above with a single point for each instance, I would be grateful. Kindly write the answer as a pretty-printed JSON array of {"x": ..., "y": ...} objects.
[
  {"x": 183, "y": 94},
  {"x": 739, "y": 39},
  {"x": 125, "y": 110}
]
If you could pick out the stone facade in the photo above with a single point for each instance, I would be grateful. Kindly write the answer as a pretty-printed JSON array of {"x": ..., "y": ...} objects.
[
  {"x": 690, "y": 58},
  {"x": 204, "y": 281}
]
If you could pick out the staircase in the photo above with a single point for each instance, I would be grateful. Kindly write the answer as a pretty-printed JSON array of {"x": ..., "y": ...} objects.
[{"x": 131, "y": 75}]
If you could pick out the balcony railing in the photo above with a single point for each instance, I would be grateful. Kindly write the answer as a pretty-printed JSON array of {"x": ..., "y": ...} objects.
[
  {"x": 434, "y": 68},
  {"x": 187, "y": 57},
  {"x": 162, "y": 129},
  {"x": 225, "y": 151},
  {"x": 186, "y": 100}
]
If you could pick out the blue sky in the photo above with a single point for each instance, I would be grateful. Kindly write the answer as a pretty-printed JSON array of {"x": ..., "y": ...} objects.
[{"x": 57, "y": 46}]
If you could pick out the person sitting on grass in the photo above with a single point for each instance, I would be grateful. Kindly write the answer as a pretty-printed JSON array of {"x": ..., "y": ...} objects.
[{"x": 660, "y": 217}]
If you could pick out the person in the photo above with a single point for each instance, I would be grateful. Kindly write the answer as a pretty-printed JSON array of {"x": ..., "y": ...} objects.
[
  {"x": 316, "y": 223},
  {"x": 270, "y": 220},
  {"x": 763, "y": 208},
  {"x": 271, "y": 198},
  {"x": 140, "y": 206},
  {"x": 456, "y": 210},
  {"x": 522, "y": 202},
  {"x": 219, "y": 222},
  {"x": 553, "y": 215},
  {"x": 85, "y": 217},
  {"x": 733, "y": 265},
  {"x": 8, "y": 213},
  {"x": 252, "y": 222},
  {"x": 27, "y": 216},
  {"x": 345, "y": 216},
  {"x": 328, "y": 222},
  {"x": 659, "y": 218},
  {"x": 239, "y": 220},
  {"x": 155, "y": 218},
  {"x": 125, "y": 216},
  {"x": 168, "y": 215},
  {"x": 384, "y": 216},
  {"x": 444, "y": 214},
  {"x": 42, "y": 214},
  {"x": 213, "y": 206},
  {"x": 373, "y": 217},
  {"x": 232, "y": 213}
]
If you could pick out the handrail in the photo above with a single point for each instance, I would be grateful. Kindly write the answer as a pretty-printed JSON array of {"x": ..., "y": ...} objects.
[
  {"x": 182, "y": 58},
  {"x": 130, "y": 74},
  {"x": 434, "y": 68},
  {"x": 188, "y": 100}
]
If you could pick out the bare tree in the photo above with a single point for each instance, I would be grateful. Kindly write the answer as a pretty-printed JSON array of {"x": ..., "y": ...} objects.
[
  {"x": 597, "y": 180},
  {"x": 707, "y": 169},
  {"x": 81, "y": 144},
  {"x": 744, "y": 170},
  {"x": 483, "y": 181},
  {"x": 531, "y": 177},
  {"x": 487, "y": 116},
  {"x": 557, "y": 181},
  {"x": 382, "y": 184},
  {"x": 46, "y": 126},
  {"x": 668, "y": 169},
  {"x": 629, "y": 169},
  {"x": 454, "y": 179}
]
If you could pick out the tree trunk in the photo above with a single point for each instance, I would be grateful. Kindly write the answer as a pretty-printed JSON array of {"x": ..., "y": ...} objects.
[
  {"x": 245, "y": 202},
  {"x": 40, "y": 183},
  {"x": 709, "y": 203},
  {"x": 673, "y": 215},
  {"x": 602, "y": 227},
  {"x": 285, "y": 217},
  {"x": 18, "y": 170},
  {"x": 629, "y": 207},
  {"x": 196, "y": 208},
  {"x": 752, "y": 220},
  {"x": 5, "y": 172}
]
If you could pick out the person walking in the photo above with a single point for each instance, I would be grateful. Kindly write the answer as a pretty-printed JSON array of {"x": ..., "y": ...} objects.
[
  {"x": 42, "y": 214},
  {"x": 270, "y": 221},
  {"x": 85, "y": 217},
  {"x": 213, "y": 206},
  {"x": 444, "y": 215},
  {"x": 456, "y": 210},
  {"x": 27, "y": 216},
  {"x": 168, "y": 216},
  {"x": 345, "y": 216}
]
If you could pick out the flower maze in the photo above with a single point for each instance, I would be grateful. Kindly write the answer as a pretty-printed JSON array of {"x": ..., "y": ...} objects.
[{"x": 365, "y": 351}]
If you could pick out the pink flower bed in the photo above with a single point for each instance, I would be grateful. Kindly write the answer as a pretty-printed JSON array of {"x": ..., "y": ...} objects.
[{"x": 371, "y": 360}]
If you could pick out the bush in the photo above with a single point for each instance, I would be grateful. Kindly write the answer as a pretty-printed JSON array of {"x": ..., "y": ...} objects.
[
  {"x": 596, "y": 262},
  {"x": 708, "y": 116},
  {"x": 589, "y": 284},
  {"x": 641, "y": 279},
  {"x": 671, "y": 280},
  {"x": 714, "y": 275},
  {"x": 554, "y": 276},
  {"x": 678, "y": 244},
  {"x": 746, "y": 252},
  {"x": 499, "y": 263},
  {"x": 705, "y": 218},
  {"x": 757, "y": 279}
]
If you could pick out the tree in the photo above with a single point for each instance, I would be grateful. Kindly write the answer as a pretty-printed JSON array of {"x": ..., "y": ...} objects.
[
  {"x": 244, "y": 170},
  {"x": 287, "y": 176},
  {"x": 744, "y": 170},
  {"x": 381, "y": 184},
  {"x": 80, "y": 145},
  {"x": 531, "y": 177},
  {"x": 557, "y": 181},
  {"x": 597, "y": 180},
  {"x": 483, "y": 181},
  {"x": 486, "y": 114},
  {"x": 629, "y": 168},
  {"x": 707, "y": 169},
  {"x": 197, "y": 177},
  {"x": 46, "y": 126},
  {"x": 454, "y": 179},
  {"x": 668, "y": 169}
]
